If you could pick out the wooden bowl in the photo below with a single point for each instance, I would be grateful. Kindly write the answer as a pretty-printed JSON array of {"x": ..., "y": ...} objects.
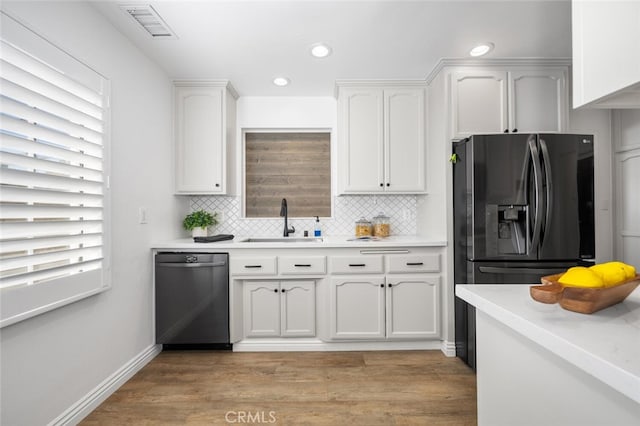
[{"x": 582, "y": 300}]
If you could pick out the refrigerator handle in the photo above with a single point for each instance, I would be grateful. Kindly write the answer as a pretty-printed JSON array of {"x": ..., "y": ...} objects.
[
  {"x": 520, "y": 270},
  {"x": 537, "y": 174},
  {"x": 549, "y": 180}
]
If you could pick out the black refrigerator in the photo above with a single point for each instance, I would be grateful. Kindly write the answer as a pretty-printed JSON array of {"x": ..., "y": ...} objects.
[{"x": 523, "y": 208}]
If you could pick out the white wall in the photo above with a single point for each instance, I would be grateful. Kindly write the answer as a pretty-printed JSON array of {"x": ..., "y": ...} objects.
[
  {"x": 287, "y": 112},
  {"x": 51, "y": 361}
]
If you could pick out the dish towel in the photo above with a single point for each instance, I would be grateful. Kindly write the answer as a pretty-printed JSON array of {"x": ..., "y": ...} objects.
[{"x": 213, "y": 238}]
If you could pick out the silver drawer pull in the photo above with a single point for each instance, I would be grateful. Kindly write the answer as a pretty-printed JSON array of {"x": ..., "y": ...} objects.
[
  {"x": 302, "y": 265},
  {"x": 357, "y": 264},
  {"x": 383, "y": 251},
  {"x": 253, "y": 266},
  {"x": 415, "y": 263}
]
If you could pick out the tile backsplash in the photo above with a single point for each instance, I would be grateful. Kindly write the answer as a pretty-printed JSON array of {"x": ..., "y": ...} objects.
[{"x": 346, "y": 210}]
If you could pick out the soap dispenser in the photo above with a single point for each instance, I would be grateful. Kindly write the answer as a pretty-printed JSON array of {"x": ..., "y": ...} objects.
[{"x": 317, "y": 229}]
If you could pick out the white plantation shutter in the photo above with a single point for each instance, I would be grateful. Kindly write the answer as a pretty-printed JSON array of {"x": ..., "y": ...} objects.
[{"x": 52, "y": 176}]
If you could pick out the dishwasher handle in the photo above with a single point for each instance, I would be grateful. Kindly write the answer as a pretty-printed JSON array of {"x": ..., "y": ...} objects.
[{"x": 191, "y": 265}]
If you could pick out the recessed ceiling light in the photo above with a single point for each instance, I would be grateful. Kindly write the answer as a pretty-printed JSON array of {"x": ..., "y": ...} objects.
[
  {"x": 481, "y": 49},
  {"x": 281, "y": 81},
  {"x": 320, "y": 50}
]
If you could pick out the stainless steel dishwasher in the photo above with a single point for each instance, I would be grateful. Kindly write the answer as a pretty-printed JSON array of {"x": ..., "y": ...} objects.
[{"x": 192, "y": 300}]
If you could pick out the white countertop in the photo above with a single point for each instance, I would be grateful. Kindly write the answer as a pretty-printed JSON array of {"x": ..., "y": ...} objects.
[
  {"x": 327, "y": 242},
  {"x": 605, "y": 344}
]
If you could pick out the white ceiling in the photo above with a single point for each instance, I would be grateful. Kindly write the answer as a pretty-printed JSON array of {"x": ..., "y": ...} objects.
[{"x": 251, "y": 42}]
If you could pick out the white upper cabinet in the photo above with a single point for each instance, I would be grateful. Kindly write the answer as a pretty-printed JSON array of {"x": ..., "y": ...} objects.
[
  {"x": 381, "y": 139},
  {"x": 538, "y": 100},
  {"x": 606, "y": 53},
  {"x": 204, "y": 125},
  {"x": 361, "y": 139},
  {"x": 478, "y": 102},
  {"x": 508, "y": 101},
  {"x": 404, "y": 154}
]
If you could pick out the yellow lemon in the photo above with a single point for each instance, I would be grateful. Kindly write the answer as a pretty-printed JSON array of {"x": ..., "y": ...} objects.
[
  {"x": 629, "y": 270},
  {"x": 580, "y": 276},
  {"x": 611, "y": 273}
]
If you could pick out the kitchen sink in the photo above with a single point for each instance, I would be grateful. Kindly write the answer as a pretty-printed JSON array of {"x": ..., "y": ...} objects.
[{"x": 282, "y": 240}]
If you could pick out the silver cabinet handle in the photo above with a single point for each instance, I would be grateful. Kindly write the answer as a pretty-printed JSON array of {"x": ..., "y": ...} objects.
[{"x": 383, "y": 251}]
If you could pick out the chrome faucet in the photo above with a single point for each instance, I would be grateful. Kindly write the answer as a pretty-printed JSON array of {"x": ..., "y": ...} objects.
[{"x": 284, "y": 213}]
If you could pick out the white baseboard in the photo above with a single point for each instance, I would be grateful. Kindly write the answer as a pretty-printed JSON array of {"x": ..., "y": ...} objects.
[
  {"x": 83, "y": 407},
  {"x": 310, "y": 345},
  {"x": 448, "y": 348}
]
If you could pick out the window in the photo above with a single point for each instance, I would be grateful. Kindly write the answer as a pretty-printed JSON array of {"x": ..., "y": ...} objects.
[
  {"x": 291, "y": 165},
  {"x": 52, "y": 177}
]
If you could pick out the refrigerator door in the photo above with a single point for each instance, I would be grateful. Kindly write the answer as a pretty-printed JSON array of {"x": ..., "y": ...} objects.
[
  {"x": 568, "y": 227},
  {"x": 504, "y": 180}
]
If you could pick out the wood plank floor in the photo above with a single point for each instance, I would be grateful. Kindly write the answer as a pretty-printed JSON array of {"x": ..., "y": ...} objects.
[{"x": 295, "y": 388}]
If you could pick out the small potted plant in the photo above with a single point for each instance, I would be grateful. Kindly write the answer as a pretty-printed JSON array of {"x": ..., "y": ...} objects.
[{"x": 198, "y": 221}]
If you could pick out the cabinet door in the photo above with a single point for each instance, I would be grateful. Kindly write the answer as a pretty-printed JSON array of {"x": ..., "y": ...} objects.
[
  {"x": 537, "y": 101},
  {"x": 413, "y": 307},
  {"x": 199, "y": 139},
  {"x": 606, "y": 53},
  {"x": 405, "y": 140},
  {"x": 478, "y": 102},
  {"x": 261, "y": 309},
  {"x": 361, "y": 112},
  {"x": 357, "y": 307},
  {"x": 298, "y": 308}
]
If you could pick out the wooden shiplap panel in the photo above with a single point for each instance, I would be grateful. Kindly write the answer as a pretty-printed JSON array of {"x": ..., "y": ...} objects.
[{"x": 295, "y": 166}]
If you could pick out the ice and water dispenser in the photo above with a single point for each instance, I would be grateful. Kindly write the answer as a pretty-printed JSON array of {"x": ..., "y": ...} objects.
[{"x": 507, "y": 228}]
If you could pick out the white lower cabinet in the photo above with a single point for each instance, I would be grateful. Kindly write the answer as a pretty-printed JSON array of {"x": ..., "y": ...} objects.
[
  {"x": 395, "y": 306},
  {"x": 279, "y": 308},
  {"x": 350, "y": 296},
  {"x": 413, "y": 311},
  {"x": 357, "y": 307}
]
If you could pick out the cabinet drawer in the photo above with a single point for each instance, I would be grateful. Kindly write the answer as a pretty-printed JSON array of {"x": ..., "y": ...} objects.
[
  {"x": 414, "y": 263},
  {"x": 356, "y": 264},
  {"x": 302, "y": 265},
  {"x": 253, "y": 265}
]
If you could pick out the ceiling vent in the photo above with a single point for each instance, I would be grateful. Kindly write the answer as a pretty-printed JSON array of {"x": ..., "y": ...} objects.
[{"x": 146, "y": 16}]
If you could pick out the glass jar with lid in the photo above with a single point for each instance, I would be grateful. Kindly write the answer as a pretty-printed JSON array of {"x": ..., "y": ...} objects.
[
  {"x": 381, "y": 225},
  {"x": 363, "y": 228}
]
